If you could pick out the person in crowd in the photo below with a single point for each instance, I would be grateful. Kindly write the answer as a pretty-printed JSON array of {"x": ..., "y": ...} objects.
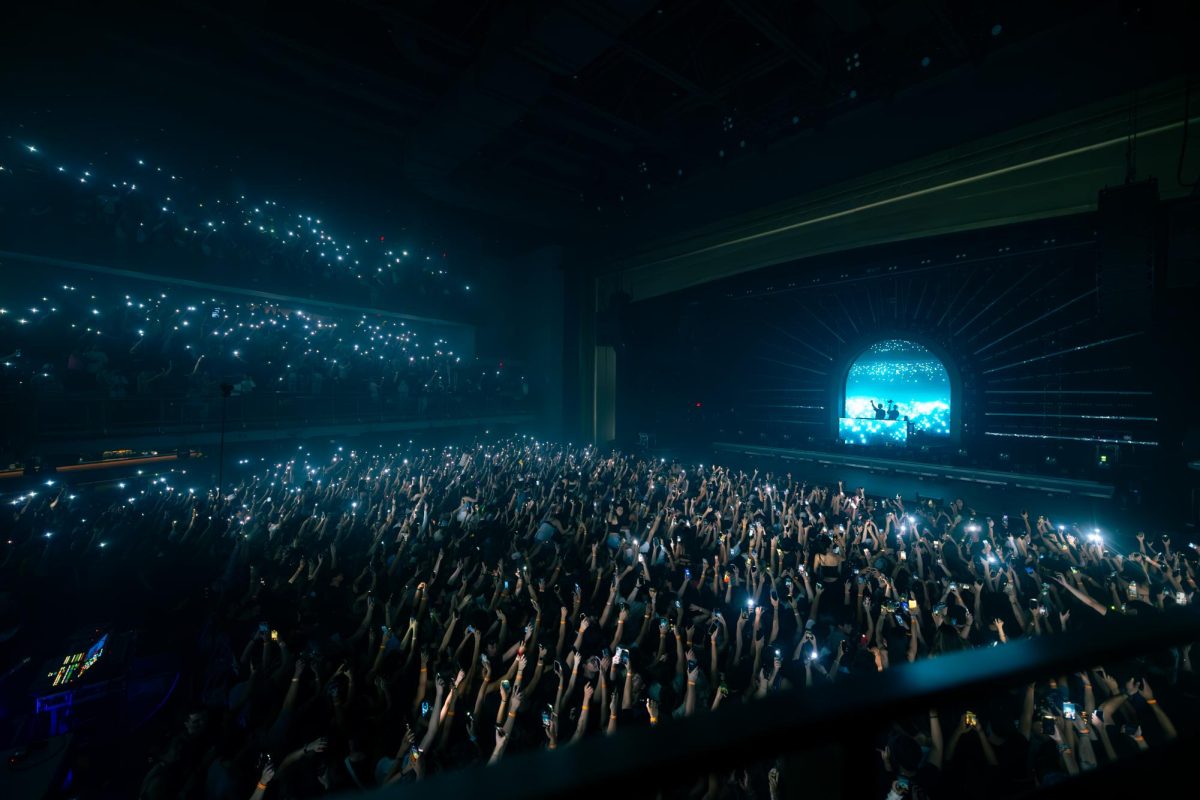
[{"x": 376, "y": 619}]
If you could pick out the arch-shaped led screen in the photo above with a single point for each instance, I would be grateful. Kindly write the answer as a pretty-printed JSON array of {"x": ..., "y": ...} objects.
[{"x": 898, "y": 379}]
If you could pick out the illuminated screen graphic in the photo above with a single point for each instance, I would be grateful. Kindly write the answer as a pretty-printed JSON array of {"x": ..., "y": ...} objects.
[
  {"x": 907, "y": 381},
  {"x": 873, "y": 431}
]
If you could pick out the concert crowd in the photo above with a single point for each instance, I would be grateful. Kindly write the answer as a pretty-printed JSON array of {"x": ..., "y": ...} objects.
[
  {"x": 371, "y": 619},
  {"x": 101, "y": 340}
]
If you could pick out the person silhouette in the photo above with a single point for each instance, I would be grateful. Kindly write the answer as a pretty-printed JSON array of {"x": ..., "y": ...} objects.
[
  {"x": 893, "y": 411},
  {"x": 880, "y": 411}
]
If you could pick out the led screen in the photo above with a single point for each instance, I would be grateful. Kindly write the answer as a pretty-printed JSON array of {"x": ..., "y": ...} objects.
[
  {"x": 873, "y": 431},
  {"x": 907, "y": 381}
]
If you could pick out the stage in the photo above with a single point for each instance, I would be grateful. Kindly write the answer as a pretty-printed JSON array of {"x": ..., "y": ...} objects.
[{"x": 943, "y": 475}]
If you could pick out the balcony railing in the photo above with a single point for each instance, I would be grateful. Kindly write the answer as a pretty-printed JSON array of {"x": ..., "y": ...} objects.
[{"x": 39, "y": 418}]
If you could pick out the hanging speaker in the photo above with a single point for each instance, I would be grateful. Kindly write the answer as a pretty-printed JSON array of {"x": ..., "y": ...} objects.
[{"x": 1125, "y": 220}]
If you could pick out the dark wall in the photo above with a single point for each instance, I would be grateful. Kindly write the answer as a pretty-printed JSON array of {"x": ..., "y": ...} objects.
[{"x": 522, "y": 327}]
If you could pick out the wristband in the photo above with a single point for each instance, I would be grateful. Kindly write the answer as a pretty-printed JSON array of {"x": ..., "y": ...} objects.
[
  {"x": 512, "y": 713},
  {"x": 424, "y": 669},
  {"x": 654, "y": 720},
  {"x": 262, "y": 787},
  {"x": 691, "y": 683},
  {"x": 1151, "y": 702}
]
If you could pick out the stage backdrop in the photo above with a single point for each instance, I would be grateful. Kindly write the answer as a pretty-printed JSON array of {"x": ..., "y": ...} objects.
[{"x": 994, "y": 342}]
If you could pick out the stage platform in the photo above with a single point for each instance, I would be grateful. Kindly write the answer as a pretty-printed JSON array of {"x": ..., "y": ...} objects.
[{"x": 933, "y": 472}]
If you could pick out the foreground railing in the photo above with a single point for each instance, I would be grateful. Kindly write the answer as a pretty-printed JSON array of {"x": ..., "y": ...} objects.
[{"x": 843, "y": 719}]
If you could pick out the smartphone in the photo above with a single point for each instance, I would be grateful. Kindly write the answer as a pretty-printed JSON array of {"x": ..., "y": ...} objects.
[
  {"x": 1133, "y": 591},
  {"x": 546, "y": 719},
  {"x": 424, "y": 708},
  {"x": 972, "y": 720},
  {"x": 912, "y": 605},
  {"x": 1068, "y": 710},
  {"x": 274, "y": 636},
  {"x": 1181, "y": 598},
  {"x": 1129, "y": 730},
  {"x": 506, "y": 684},
  {"x": 1048, "y": 725},
  {"x": 904, "y": 555}
]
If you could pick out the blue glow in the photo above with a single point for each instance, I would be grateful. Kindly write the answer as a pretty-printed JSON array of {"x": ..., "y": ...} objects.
[
  {"x": 873, "y": 431},
  {"x": 907, "y": 374}
]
